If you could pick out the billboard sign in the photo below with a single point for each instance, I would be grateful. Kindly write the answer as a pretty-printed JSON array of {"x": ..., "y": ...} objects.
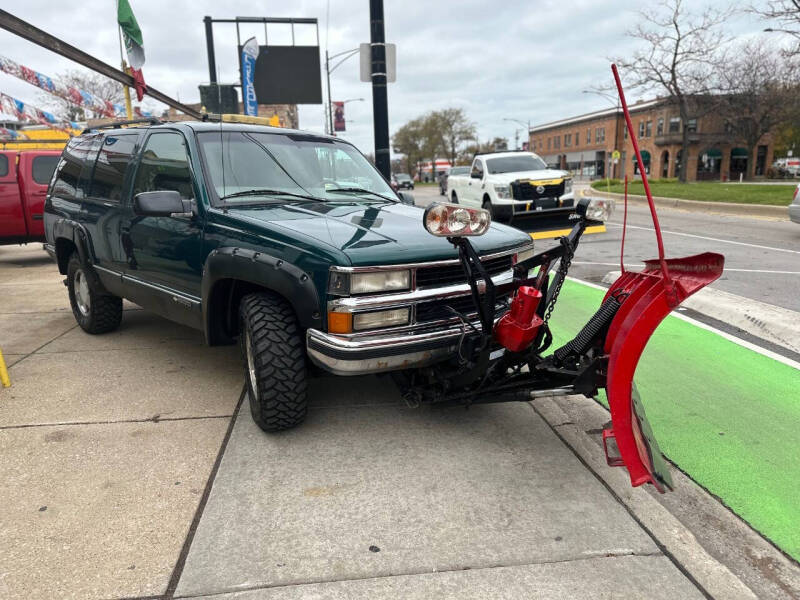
[
  {"x": 249, "y": 56},
  {"x": 338, "y": 116},
  {"x": 287, "y": 75}
]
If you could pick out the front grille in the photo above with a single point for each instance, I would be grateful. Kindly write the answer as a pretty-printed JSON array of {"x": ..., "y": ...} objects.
[
  {"x": 525, "y": 190},
  {"x": 428, "y": 277},
  {"x": 435, "y": 310}
]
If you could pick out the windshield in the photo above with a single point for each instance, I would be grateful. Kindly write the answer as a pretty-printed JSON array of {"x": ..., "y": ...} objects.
[
  {"x": 242, "y": 163},
  {"x": 403, "y": 177},
  {"x": 513, "y": 164},
  {"x": 459, "y": 170}
]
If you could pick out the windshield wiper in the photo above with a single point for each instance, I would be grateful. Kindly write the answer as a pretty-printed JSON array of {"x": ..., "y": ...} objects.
[
  {"x": 269, "y": 192},
  {"x": 360, "y": 191}
]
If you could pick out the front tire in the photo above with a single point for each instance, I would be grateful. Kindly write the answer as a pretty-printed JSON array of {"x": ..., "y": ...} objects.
[
  {"x": 274, "y": 359},
  {"x": 95, "y": 310}
]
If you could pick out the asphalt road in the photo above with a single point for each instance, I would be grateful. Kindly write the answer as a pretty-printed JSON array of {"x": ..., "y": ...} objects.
[{"x": 762, "y": 256}]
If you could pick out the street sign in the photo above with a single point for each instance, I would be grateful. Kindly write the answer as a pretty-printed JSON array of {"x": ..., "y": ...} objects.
[
  {"x": 365, "y": 56},
  {"x": 615, "y": 155}
]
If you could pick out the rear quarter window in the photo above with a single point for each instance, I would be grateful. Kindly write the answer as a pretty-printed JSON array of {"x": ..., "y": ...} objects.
[
  {"x": 74, "y": 170},
  {"x": 42, "y": 168},
  {"x": 3, "y": 165},
  {"x": 112, "y": 163}
]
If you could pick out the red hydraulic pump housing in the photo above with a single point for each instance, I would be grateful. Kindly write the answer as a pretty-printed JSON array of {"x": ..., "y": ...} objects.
[{"x": 518, "y": 327}]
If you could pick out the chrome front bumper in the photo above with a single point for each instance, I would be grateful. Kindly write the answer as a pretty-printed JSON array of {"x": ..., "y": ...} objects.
[{"x": 387, "y": 351}]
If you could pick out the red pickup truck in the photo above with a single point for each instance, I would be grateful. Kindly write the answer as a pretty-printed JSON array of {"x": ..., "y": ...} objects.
[{"x": 24, "y": 177}]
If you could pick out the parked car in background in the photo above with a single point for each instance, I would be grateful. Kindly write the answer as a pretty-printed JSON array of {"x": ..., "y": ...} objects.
[
  {"x": 444, "y": 176},
  {"x": 404, "y": 181},
  {"x": 24, "y": 177},
  {"x": 794, "y": 207}
]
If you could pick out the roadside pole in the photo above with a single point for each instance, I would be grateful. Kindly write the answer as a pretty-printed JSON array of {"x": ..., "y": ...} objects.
[
  {"x": 380, "y": 108},
  {"x": 125, "y": 89}
]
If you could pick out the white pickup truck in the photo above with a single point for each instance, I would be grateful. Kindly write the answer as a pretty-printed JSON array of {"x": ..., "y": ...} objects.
[{"x": 511, "y": 184}]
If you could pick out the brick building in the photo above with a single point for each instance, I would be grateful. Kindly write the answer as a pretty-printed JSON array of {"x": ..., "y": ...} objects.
[{"x": 584, "y": 144}]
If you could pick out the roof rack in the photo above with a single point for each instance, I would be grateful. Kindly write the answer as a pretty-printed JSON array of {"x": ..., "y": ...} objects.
[{"x": 118, "y": 124}]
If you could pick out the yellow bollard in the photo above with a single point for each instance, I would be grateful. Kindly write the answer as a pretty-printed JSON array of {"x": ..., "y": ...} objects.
[{"x": 4, "y": 372}]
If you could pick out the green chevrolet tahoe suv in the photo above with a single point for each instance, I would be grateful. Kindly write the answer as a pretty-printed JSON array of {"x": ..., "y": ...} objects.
[{"x": 291, "y": 243}]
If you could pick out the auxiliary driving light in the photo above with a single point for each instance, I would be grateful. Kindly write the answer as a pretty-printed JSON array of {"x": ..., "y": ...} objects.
[
  {"x": 443, "y": 219},
  {"x": 596, "y": 209}
]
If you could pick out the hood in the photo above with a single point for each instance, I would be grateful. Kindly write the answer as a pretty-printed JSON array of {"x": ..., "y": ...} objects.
[
  {"x": 543, "y": 174},
  {"x": 373, "y": 233}
]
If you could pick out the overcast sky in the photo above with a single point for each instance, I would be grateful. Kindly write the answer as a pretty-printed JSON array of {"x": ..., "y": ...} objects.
[{"x": 526, "y": 60}]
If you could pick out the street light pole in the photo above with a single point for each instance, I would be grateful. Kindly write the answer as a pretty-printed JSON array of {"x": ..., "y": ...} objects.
[
  {"x": 524, "y": 124},
  {"x": 380, "y": 103},
  {"x": 328, "y": 70}
]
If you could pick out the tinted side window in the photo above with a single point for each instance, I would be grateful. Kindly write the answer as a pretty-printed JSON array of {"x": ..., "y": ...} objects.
[
  {"x": 42, "y": 168},
  {"x": 75, "y": 168},
  {"x": 112, "y": 161},
  {"x": 3, "y": 165},
  {"x": 477, "y": 168},
  {"x": 164, "y": 166}
]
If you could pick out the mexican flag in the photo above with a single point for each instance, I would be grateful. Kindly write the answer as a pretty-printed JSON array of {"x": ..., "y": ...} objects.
[{"x": 131, "y": 34}]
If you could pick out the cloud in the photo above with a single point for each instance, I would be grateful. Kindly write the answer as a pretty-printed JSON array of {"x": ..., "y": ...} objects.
[{"x": 526, "y": 60}]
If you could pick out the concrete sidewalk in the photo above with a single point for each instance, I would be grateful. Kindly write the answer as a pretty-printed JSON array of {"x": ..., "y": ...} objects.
[{"x": 128, "y": 473}]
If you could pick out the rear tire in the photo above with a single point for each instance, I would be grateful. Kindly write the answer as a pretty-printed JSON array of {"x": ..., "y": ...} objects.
[
  {"x": 274, "y": 360},
  {"x": 95, "y": 310}
]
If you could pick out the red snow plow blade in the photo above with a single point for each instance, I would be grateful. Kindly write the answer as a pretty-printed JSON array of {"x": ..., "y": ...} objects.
[{"x": 648, "y": 298}]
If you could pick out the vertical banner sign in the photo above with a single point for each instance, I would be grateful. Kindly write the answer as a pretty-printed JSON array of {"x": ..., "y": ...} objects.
[
  {"x": 249, "y": 56},
  {"x": 338, "y": 116}
]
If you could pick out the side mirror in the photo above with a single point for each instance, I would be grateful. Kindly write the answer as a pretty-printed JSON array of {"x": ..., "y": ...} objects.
[
  {"x": 476, "y": 174},
  {"x": 162, "y": 203},
  {"x": 406, "y": 198}
]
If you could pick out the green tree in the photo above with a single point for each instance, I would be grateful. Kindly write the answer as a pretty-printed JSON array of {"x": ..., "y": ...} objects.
[
  {"x": 408, "y": 141},
  {"x": 455, "y": 129}
]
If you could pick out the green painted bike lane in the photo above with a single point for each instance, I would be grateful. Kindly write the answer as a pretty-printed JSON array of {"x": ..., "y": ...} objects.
[{"x": 726, "y": 415}]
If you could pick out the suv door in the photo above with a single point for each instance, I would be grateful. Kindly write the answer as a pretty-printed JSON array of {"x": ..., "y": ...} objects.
[
  {"x": 164, "y": 251},
  {"x": 12, "y": 221},
  {"x": 35, "y": 173},
  {"x": 102, "y": 207},
  {"x": 473, "y": 192}
]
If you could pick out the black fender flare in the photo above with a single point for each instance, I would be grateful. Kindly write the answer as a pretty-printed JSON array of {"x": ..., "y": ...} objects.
[
  {"x": 76, "y": 233},
  {"x": 264, "y": 270}
]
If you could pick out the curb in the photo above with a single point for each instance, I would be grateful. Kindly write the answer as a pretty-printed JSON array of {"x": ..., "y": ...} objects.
[
  {"x": 726, "y": 208},
  {"x": 774, "y": 324},
  {"x": 674, "y": 538}
]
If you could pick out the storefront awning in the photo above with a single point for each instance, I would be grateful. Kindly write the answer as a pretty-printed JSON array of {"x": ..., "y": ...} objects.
[
  {"x": 739, "y": 153},
  {"x": 712, "y": 153},
  {"x": 645, "y": 156}
]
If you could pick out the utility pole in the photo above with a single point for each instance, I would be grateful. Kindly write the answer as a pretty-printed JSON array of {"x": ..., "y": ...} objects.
[
  {"x": 380, "y": 107},
  {"x": 330, "y": 100}
]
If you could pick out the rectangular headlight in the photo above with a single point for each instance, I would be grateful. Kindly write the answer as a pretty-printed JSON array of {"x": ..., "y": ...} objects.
[
  {"x": 383, "y": 318},
  {"x": 380, "y": 281}
]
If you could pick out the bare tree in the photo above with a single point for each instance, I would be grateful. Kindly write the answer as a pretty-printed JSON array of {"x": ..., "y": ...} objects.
[
  {"x": 677, "y": 57},
  {"x": 97, "y": 84},
  {"x": 786, "y": 13},
  {"x": 455, "y": 129},
  {"x": 760, "y": 93}
]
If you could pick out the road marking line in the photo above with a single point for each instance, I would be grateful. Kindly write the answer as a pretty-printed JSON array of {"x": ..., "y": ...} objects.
[
  {"x": 727, "y": 269},
  {"x": 702, "y": 237},
  {"x": 731, "y": 338},
  {"x": 553, "y": 233}
]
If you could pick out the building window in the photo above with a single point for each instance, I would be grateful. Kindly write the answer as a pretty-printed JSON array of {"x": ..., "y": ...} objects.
[
  {"x": 691, "y": 125},
  {"x": 577, "y": 138},
  {"x": 589, "y": 136},
  {"x": 674, "y": 124},
  {"x": 600, "y": 134},
  {"x": 567, "y": 140},
  {"x": 648, "y": 130},
  {"x": 625, "y": 132},
  {"x": 660, "y": 126},
  {"x": 641, "y": 129},
  {"x": 548, "y": 143}
]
